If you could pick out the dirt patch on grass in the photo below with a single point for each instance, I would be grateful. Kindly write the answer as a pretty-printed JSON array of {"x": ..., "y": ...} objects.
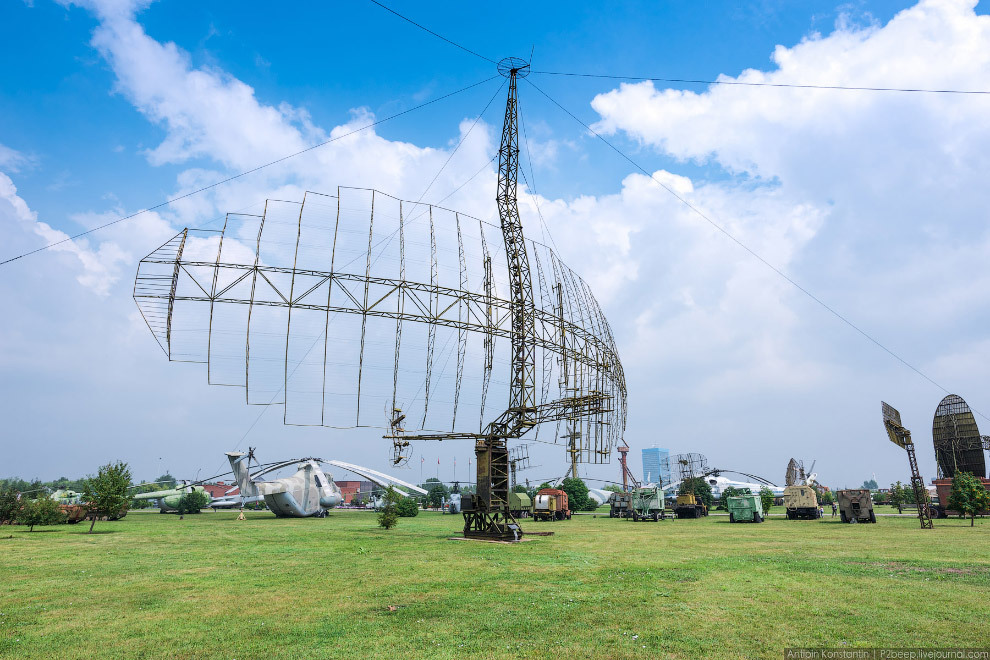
[{"x": 900, "y": 567}]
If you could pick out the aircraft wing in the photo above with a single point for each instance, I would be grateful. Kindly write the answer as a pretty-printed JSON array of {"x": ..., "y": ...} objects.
[{"x": 379, "y": 478}]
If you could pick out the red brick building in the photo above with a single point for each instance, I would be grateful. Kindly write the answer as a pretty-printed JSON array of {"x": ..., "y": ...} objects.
[
  {"x": 350, "y": 488},
  {"x": 219, "y": 489}
]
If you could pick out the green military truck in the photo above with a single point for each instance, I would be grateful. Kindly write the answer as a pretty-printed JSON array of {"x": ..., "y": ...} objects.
[
  {"x": 744, "y": 508},
  {"x": 801, "y": 502},
  {"x": 647, "y": 504},
  {"x": 855, "y": 505},
  {"x": 520, "y": 505}
]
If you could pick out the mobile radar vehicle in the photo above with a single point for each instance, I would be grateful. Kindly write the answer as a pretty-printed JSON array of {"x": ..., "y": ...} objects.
[
  {"x": 647, "y": 504},
  {"x": 801, "y": 502},
  {"x": 855, "y": 505}
]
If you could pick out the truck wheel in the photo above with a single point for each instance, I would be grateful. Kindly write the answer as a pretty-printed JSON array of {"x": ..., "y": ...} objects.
[
  {"x": 732, "y": 518},
  {"x": 873, "y": 517},
  {"x": 656, "y": 518},
  {"x": 757, "y": 518},
  {"x": 842, "y": 516}
]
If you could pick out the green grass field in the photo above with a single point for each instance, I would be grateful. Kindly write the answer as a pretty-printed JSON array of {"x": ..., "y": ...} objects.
[{"x": 209, "y": 586}]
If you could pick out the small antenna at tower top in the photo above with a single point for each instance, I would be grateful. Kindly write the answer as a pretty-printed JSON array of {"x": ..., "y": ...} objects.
[{"x": 515, "y": 65}]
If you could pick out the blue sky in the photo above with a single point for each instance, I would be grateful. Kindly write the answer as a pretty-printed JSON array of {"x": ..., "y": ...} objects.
[{"x": 873, "y": 201}]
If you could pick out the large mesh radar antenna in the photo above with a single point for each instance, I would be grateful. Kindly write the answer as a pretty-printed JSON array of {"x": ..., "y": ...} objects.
[
  {"x": 690, "y": 466},
  {"x": 901, "y": 437},
  {"x": 358, "y": 309},
  {"x": 958, "y": 445}
]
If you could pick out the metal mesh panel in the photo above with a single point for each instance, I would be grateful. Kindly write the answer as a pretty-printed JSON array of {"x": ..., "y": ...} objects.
[{"x": 344, "y": 307}]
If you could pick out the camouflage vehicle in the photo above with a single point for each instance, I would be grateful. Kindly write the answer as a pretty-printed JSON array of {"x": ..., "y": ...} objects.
[
  {"x": 801, "y": 502},
  {"x": 855, "y": 505},
  {"x": 647, "y": 504},
  {"x": 744, "y": 508}
]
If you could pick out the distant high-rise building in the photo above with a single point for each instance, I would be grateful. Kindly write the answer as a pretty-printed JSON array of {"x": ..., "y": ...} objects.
[{"x": 656, "y": 466}]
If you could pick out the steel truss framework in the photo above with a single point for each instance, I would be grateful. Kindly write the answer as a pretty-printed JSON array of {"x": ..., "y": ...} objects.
[
  {"x": 901, "y": 437},
  {"x": 374, "y": 279}
]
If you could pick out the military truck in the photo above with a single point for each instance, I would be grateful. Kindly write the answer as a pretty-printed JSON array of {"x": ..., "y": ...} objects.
[
  {"x": 620, "y": 505},
  {"x": 801, "y": 502},
  {"x": 647, "y": 504},
  {"x": 744, "y": 508},
  {"x": 551, "y": 504},
  {"x": 520, "y": 505},
  {"x": 855, "y": 505},
  {"x": 690, "y": 506}
]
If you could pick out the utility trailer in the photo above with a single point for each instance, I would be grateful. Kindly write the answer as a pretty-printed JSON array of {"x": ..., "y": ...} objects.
[
  {"x": 855, "y": 505},
  {"x": 620, "y": 505},
  {"x": 647, "y": 504},
  {"x": 744, "y": 508}
]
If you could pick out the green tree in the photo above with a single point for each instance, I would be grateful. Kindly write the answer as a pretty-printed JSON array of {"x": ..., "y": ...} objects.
[
  {"x": 896, "y": 495},
  {"x": 436, "y": 492},
  {"x": 727, "y": 492},
  {"x": 614, "y": 488},
  {"x": 870, "y": 484},
  {"x": 163, "y": 482},
  {"x": 519, "y": 488},
  {"x": 702, "y": 489},
  {"x": 106, "y": 493},
  {"x": 577, "y": 495},
  {"x": 10, "y": 505},
  {"x": 766, "y": 499},
  {"x": 192, "y": 502},
  {"x": 356, "y": 500},
  {"x": 968, "y": 496},
  {"x": 388, "y": 516},
  {"x": 825, "y": 496},
  {"x": 407, "y": 507},
  {"x": 41, "y": 511}
]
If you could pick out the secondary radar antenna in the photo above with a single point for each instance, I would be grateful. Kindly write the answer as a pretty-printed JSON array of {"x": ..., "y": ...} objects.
[
  {"x": 901, "y": 437},
  {"x": 690, "y": 466}
]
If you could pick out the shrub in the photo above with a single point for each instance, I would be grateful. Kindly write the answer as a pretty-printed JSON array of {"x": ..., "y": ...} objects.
[
  {"x": 10, "y": 506},
  {"x": 388, "y": 516},
  {"x": 42, "y": 511},
  {"x": 407, "y": 507}
]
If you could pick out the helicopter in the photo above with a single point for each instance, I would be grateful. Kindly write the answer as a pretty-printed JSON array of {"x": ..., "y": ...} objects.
[{"x": 307, "y": 493}]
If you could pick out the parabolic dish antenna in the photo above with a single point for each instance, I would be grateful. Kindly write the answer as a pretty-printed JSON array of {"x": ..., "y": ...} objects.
[{"x": 958, "y": 445}]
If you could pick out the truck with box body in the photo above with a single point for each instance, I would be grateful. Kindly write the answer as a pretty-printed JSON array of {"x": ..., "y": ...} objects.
[
  {"x": 744, "y": 508},
  {"x": 855, "y": 505},
  {"x": 801, "y": 502},
  {"x": 551, "y": 504}
]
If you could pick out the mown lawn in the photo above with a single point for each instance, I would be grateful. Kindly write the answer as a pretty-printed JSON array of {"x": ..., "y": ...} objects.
[{"x": 154, "y": 586}]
